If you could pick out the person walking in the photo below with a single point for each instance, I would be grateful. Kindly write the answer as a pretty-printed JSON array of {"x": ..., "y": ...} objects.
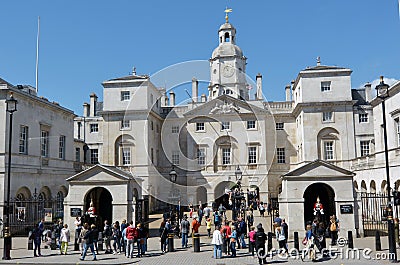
[
  {"x": 208, "y": 224},
  {"x": 200, "y": 213},
  {"x": 280, "y": 237},
  {"x": 285, "y": 229},
  {"x": 107, "y": 236},
  {"x": 64, "y": 238},
  {"x": 88, "y": 242},
  {"x": 81, "y": 238},
  {"x": 261, "y": 208},
  {"x": 252, "y": 240},
  {"x": 233, "y": 239},
  {"x": 207, "y": 212},
  {"x": 334, "y": 229},
  {"x": 227, "y": 234},
  {"x": 130, "y": 237},
  {"x": 141, "y": 239},
  {"x": 163, "y": 237},
  {"x": 278, "y": 220},
  {"x": 95, "y": 234},
  {"x": 195, "y": 226},
  {"x": 217, "y": 241},
  {"x": 242, "y": 231},
  {"x": 261, "y": 237},
  {"x": 37, "y": 239},
  {"x": 116, "y": 236},
  {"x": 185, "y": 228},
  {"x": 250, "y": 219},
  {"x": 217, "y": 219},
  {"x": 124, "y": 225}
]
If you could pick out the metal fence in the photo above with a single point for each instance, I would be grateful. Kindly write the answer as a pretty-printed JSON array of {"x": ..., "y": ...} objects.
[
  {"x": 25, "y": 214},
  {"x": 373, "y": 206}
]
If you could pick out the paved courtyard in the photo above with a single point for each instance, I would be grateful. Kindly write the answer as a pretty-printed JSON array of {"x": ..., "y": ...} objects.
[{"x": 20, "y": 254}]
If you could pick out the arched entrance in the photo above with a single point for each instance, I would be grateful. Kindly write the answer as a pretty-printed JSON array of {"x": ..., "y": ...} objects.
[
  {"x": 327, "y": 197},
  {"x": 102, "y": 202},
  {"x": 220, "y": 193}
]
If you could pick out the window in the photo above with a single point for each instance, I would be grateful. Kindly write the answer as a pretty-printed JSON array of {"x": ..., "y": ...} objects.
[
  {"x": 152, "y": 125},
  {"x": 328, "y": 150},
  {"x": 23, "y": 139},
  {"x": 225, "y": 125},
  {"x": 126, "y": 156},
  {"x": 226, "y": 156},
  {"x": 251, "y": 125},
  {"x": 125, "y": 124},
  {"x": 94, "y": 156},
  {"x": 151, "y": 99},
  {"x": 327, "y": 116},
  {"x": 363, "y": 117},
  {"x": 77, "y": 154},
  {"x": 200, "y": 127},
  {"x": 364, "y": 147},
  {"x": 279, "y": 126},
  {"x": 201, "y": 156},
  {"x": 94, "y": 127},
  {"x": 175, "y": 129},
  {"x": 280, "y": 155},
  {"x": 44, "y": 143},
  {"x": 61, "y": 147},
  {"x": 175, "y": 157},
  {"x": 326, "y": 86},
  {"x": 398, "y": 131},
  {"x": 152, "y": 155},
  {"x": 125, "y": 96},
  {"x": 252, "y": 154}
]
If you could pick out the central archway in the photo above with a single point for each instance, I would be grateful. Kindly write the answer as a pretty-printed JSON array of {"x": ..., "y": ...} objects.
[
  {"x": 220, "y": 193},
  {"x": 326, "y": 195},
  {"x": 102, "y": 202}
]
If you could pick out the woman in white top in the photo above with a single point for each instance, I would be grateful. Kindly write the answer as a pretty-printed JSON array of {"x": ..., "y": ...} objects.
[
  {"x": 217, "y": 242},
  {"x": 64, "y": 238}
]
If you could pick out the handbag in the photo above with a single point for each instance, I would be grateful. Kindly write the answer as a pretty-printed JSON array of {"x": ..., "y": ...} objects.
[{"x": 304, "y": 242}]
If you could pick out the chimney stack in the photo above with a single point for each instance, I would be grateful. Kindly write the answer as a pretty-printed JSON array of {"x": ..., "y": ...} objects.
[
  {"x": 287, "y": 90},
  {"x": 203, "y": 98},
  {"x": 86, "y": 110},
  {"x": 172, "y": 98},
  {"x": 93, "y": 101},
  {"x": 368, "y": 95},
  {"x": 195, "y": 90},
  {"x": 259, "y": 86}
]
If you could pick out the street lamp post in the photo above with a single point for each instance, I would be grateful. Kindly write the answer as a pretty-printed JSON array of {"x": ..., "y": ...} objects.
[
  {"x": 11, "y": 107},
  {"x": 238, "y": 175},
  {"x": 173, "y": 176},
  {"x": 383, "y": 93}
]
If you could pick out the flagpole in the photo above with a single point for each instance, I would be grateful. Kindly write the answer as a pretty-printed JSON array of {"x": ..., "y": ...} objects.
[{"x": 37, "y": 56}]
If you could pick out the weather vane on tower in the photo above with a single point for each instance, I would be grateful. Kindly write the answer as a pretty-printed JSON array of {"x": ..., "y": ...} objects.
[{"x": 227, "y": 11}]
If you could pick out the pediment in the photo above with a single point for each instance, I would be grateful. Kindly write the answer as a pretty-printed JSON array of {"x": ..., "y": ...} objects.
[
  {"x": 225, "y": 105},
  {"x": 319, "y": 169},
  {"x": 101, "y": 173}
]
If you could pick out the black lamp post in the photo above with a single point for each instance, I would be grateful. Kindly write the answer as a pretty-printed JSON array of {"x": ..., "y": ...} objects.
[
  {"x": 237, "y": 197},
  {"x": 173, "y": 176},
  {"x": 383, "y": 93},
  {"x": 11, "y": 107}
]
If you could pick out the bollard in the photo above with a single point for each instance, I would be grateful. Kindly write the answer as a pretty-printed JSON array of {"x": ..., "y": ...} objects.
[
  {"x": 269, "y": 241},
  {"x": 53, "y": 245},
  {"x": 378, "y": 246},
  {"x": 296, "y": 240},
  {"x": 196, "y": 242},
  {"x": 30, "y": 241},
  {"x": 171, "y": 242},
  {"x": 350, "y": 243}
]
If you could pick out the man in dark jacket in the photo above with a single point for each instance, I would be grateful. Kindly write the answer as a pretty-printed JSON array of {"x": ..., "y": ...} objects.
[
  {"x": 261, "y": 237},
  {"x": 88, "y": 242}
]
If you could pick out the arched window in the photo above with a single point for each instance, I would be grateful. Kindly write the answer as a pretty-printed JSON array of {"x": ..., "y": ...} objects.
[{"x": 227, "y": 37}]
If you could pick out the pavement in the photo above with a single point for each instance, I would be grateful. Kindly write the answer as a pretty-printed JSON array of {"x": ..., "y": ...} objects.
[{"x": 341, "y": 255}]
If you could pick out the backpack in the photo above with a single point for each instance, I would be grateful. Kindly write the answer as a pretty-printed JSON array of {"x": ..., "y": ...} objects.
[{"x": 333, "y": 226}]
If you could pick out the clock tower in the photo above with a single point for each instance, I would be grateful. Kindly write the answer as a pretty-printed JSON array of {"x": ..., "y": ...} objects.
[{"x": 228, "y": 66}]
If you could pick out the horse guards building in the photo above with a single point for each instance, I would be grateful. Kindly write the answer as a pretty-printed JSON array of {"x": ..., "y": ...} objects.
[{"x": 324, "y": 141}]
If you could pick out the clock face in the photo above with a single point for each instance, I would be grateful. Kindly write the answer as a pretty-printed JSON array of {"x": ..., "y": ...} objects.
[{"x": 228, "y": 70}]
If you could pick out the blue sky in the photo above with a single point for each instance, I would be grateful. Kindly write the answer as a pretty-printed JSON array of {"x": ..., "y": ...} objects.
[{"x": 84, "y": 43}]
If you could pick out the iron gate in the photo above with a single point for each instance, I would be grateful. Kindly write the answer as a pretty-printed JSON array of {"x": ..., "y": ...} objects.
[
  {"x": 25, "y": 214},
  {"x": 373, "y": 206}
]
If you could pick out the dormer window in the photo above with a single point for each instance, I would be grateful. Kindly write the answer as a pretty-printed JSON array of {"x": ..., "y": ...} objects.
[{"x": 227, "y": 37}]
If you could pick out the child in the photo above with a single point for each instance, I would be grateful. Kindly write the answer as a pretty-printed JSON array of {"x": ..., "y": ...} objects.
[
  {"x": 208, "y": 223},
  {"x": 252, "y": 237}
]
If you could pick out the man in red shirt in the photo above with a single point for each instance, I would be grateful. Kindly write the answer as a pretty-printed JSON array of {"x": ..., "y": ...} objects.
[
  {"x": 130, "y": 236},
  {"x": 226, "y": 234}
]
